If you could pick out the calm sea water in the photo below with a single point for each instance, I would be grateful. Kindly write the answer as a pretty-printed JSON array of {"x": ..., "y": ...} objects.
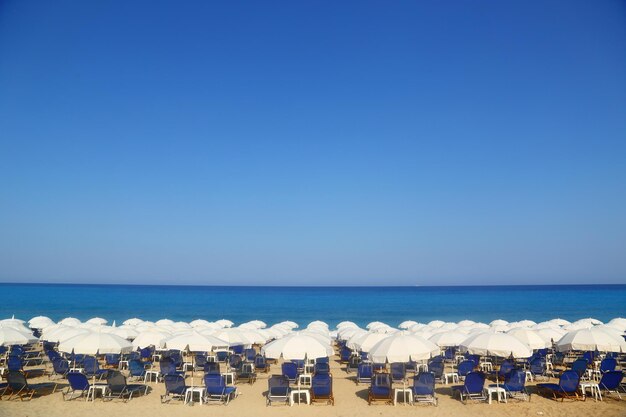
[{"x": 304, "y": 304}]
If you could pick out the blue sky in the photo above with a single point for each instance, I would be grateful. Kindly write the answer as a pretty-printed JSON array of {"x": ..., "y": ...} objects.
[{"x": 365, "y": 143}]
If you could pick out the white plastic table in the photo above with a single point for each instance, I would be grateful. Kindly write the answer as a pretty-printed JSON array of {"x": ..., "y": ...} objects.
[
  {"x": 150, "y": 374},
  {"x": 229, "y": 378},
  {"x": 496, "y": 390},
  {"x": 91, "y": 393},
  {"x": 189, "y": 394},
  {"x": 296, "y": 393},
  {"x": 407, "y": 395},
  {"x": 593, "y": 388},
  {"x": 451, "y": 375},
  {"x": 305, "y": 380}
]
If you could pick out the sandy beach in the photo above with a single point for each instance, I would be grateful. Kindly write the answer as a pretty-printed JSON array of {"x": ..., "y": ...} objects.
[{"x": 350, "y": 400}]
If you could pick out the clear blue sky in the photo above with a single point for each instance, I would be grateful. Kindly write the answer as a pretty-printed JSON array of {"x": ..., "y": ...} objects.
[{"x": 457, "y": 142}]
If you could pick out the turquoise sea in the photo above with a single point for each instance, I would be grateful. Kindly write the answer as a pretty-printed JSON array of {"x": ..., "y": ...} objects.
[{"x": 305, "y": 304}]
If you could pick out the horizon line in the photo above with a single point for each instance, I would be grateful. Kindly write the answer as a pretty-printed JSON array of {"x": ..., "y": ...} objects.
[{"x": 313, "y": 286}]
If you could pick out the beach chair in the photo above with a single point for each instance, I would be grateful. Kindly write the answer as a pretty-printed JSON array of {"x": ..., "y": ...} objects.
[
  {"x": 199, "y": 359},
  {"x": 436, "y": 367},
  {"x": 277, "y": 390},
  {"x": 234, "y": 363},
  {"x": 580, "y": 367},
  {"x": 322, "y": 360},
  {"x": 290, "y": 371},
  {"x": 237, "y": 349},
  {"x": 515, "y": 385},
  {"x": 247, "y": 373},
  {"x": 15, "y": 363},
  {"x": 260, "y": 364},
  {"x": 136, "y": 369},
  {"x": 611, "y": 383},
  {"x": 322, "y": 388},
  {"x": 112, "y": 360},
  {"x": 249, "y": 354},
  {"x": 212, "y": 368},
  {"x": 60, "y": 368},
  {"x": 423, "y": 389},
  {"x": 353, "y": 363},
  {"x": 120, "y": 389},
  {"x": 78, "y": 384},
  {"x": 398, "y": 372},
  {"x": 380, "y": 389},
  {"x": 168, "y": 367},
  {"x": 503, "y": 371},
  {"x": 472, "y": 388},
  {"x": 538, "y": 368},
  {"x": 217, "y": 390},
  {"x": 364, "y": 373},
  {"x": 18, "y": 386},
  {"x": 92, "y": 368},
  {"x": 566, "y": 388},
  {"x": 222, "y": 355},
  {"x": 607, "y": 364},
  {"x": 175, "y": 388},
  {"x": 465, "y": 368},
  {"x": 321, "y": 368},
  {"x": 344, "y": 354}
]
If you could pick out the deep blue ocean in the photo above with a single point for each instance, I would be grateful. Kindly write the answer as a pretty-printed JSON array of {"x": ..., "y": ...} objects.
[{"x": 391, "y": 305}]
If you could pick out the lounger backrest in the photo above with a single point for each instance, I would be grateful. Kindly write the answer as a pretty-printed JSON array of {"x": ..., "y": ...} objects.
[
  {"x": 608, "y": 364},
  {"x": 136, "y": 368},
  {"x": 398, "y": 370},
  {"x": 259, "y": 361},
  {"x": 381, "y": 380},
  {"x": 322, "y": 384},
  {"x": 474, "y": 382},
  {"x": 516, "y": 380},
  {"x": 424, "y": 383},
  {"x": 322, "y": 368},
  {"x": 14, "y": 363},
  {"x": 16, "y": 380},
  {"x": 436, "y": 368},
  {"x": 365, "y": 370},
  {"x": 78, "y": 381},
  {"x": 580, "y": 366},
  {"x": 90, "y": 364},
  {"x": 278, "y": 385},
  {"x": 537, "y": 366},
  {"x": 174, "y": 384},
  {"x": 116, "y": 381},
  {"x": 569, "y": 381},
  {"x": 212, "y": 368},
  {"x": 466, "y": 367},
  {"x": 60, "y": 366},
  {"x": 611, "y": 380},
  {"x": 167, "y": 367},
  {"x": 290, "y": 370}
]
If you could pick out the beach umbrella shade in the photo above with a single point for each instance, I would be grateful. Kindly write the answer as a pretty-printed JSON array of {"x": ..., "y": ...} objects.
[
  {"x": 551, "y": 335},
  {"x": 152, "y": 337},
  {"x": 559, "y": 322},
  {"x": 375, "y": 324},
  {"x": 530, "y": 338},
  {"x": 200, "y": 323},
  {"x": 465, "y": 323},
  {"x": 407, "y": 324},
  {"x": 347, "y": 333},
  {"x": 318, "y": 323},
  {"x": 495, "y": 344},
  {"x": 590, "y": 320},
  {"x": 436, "y": 323},
  {"x": 290, "y": 324},
  {"x": 16, "y": 326},
  {"x": 345, "y": 324},
  {"x": 40, "y": 322},
  {"x": 233, "y": 336},
  {"x": 127, "y": 333},
  {"x": 403, "y": 347},
  {"x": 132, "y": 322},
  {"x": 297, "y": 346},
  {"x": 591, "y": 339},
  {"x": 366, "y": 341},
  {"x": 448, "y": 339},
  {"x": 195, "y": 342},
  {"x": 499, "y": 322},
  {"x": 94, "y": 343},
  {"x": 619, "y": 323},
  {"x": 224, "y": 323},
  {"x": 97, "y": 320},
  {"x": 164, "y": 322},
  {"x": 62, "y": 333},
  {"x": 11, "y": 336},
  {"x": 70, "y": 321}
]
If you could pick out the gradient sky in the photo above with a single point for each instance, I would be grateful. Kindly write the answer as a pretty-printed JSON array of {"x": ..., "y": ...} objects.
[{"x": 432, "y": 143}]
